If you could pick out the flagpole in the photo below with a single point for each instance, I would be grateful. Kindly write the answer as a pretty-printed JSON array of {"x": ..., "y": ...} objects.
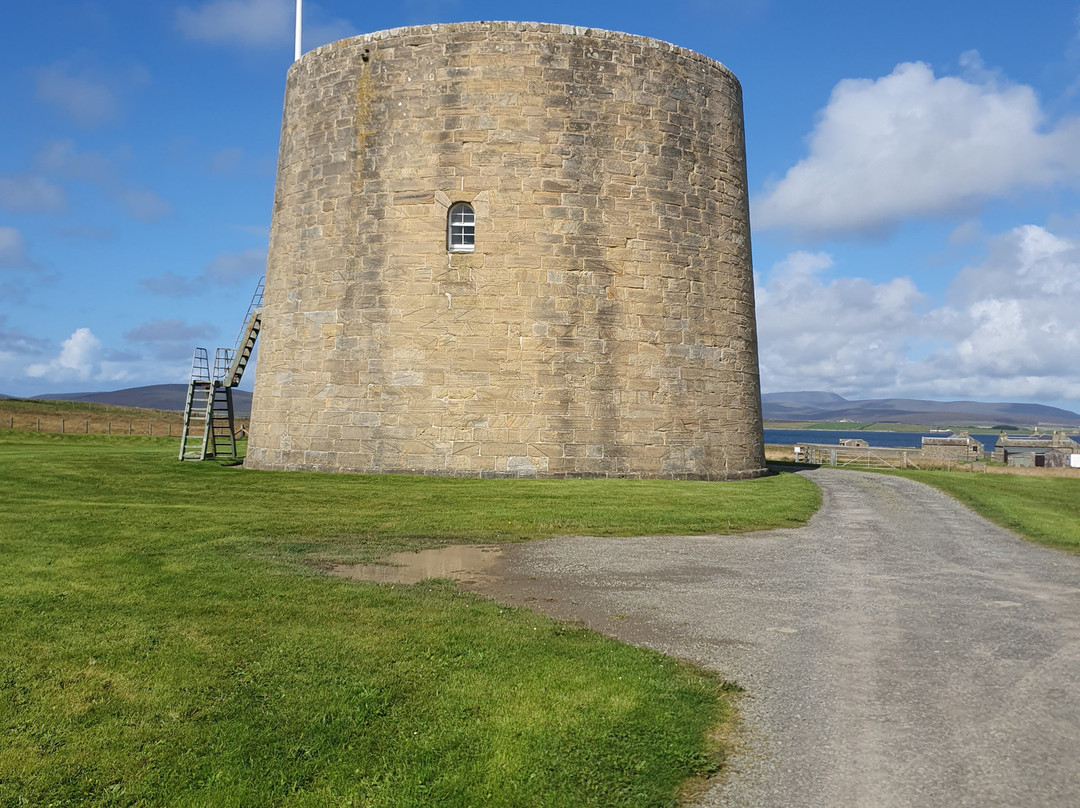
[{"x": 299, "y": 18}]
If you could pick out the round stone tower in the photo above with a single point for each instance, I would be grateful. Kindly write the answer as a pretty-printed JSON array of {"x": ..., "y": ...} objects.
[{"x": 509, "y": 249}]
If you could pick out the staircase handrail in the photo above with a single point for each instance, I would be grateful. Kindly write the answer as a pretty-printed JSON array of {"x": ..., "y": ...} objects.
[
  {"x": 200, "y": 365},
  {"x": 223, "y": 360},
  {"x": 256, "y": 303},
  {"x": 245, "y": 341}
]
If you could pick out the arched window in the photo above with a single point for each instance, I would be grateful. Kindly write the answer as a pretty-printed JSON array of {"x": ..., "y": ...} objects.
[{"x": 461, "y": 228}]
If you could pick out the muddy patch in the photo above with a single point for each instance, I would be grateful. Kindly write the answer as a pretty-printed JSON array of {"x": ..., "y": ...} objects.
[{"x": 470, "y": 564}]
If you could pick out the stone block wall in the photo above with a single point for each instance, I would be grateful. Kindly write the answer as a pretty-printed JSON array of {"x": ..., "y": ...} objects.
[
  {"x": 604, "y": 324},
  {"x": 958, "y": 447}
]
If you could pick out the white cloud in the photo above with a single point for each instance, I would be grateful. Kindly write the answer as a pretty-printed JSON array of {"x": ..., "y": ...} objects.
[
  {"x": 245, "y": 22},
  {"x": 230, "y": 269},
  {"x": 842, "y": 335},
  {"x": 237, "y": 161},
  {"x": 88, "y": 93},
  {"x": 16, "y": 348},
  {"x": 146, "y": 206},
  {"x": 170, "y": 339},
  {"x": 13, "y": 250},
  {"x": 16, "y": 342},
  {"x": 60, "y": 158},
  {"x": 169, "y": 284},
  {"x": 968, "y": 232},
  {"x": 79, "y": 359},
  {"x": 1028, "y": 262},
  {"x": 26, "y": 367},
  {"x": 1012, "y": 321},
  {"x": 913, "y": 145},
  {"x": 27, "y": 194},
  {"x": 226, "y": 269},
  {"x": 1008, "y": 331},
  {"x": 170, "y": 330},
  {"x": 86, "y": 100},
  {"x": 227, "y": 161},
  {"x": 257, "y": 23}
]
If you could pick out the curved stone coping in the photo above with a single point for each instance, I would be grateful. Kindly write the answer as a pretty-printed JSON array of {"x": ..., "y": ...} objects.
[{"x": 523, "y": 27}]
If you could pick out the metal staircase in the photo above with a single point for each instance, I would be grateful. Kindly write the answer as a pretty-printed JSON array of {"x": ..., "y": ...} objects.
[
  {"x": 209, "y": 430},
  {"x": 198, "y": 410},
  {"x": 245, "y": 340}
]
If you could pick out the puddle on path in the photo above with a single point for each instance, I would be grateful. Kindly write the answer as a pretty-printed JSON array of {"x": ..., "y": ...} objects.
[{"x": 468, "y": 563}]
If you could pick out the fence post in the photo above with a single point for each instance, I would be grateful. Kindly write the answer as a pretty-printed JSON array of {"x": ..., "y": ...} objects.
[
  {"x": 151, "y": 432},
  {"x": 110, "y": 427},
  {"x": 86, "y": 427},
  {"x": 62, "y": 426},
  {"x": 38, "y": 424}
]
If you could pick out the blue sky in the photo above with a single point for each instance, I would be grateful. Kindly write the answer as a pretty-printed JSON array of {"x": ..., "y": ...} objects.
[{"x": 914, "y": 173}]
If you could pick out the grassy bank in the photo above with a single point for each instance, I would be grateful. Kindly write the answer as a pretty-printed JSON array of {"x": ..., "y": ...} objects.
[
  {"x": 167, "y": 641},
  {"x": 1043, "y": 509},
  {"x": 80, "y": 417}
]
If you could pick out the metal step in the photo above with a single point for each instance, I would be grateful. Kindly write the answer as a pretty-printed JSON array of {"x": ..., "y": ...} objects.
[
  {"x": 209, "y": 424},
  {"x": 197, "y": 407},
  {"x": 248, "y": 336},
  {"x": 246, "y": 346},
  {"x": 222, "y": 441}
]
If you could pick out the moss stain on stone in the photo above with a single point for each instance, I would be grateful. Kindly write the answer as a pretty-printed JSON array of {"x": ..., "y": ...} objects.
[{"x": 365, "y": 93}]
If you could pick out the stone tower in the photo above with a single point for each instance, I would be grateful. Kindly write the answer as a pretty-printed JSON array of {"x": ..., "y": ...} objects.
[{"x": 510, "y": 249}]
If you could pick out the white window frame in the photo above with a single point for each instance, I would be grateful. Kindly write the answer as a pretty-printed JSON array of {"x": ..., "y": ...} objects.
[{"x": 461, "y": 228}]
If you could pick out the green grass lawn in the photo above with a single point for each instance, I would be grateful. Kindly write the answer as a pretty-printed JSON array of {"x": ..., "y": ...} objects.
[
  {"x": 167, "y": 639},
  {"x": 1043, "y": 509}
]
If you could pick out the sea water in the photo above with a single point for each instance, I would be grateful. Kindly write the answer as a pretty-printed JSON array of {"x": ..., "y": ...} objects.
[{"x": 898, "y": 440}]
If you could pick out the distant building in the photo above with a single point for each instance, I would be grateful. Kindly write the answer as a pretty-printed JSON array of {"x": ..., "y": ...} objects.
[
  {"x": 1035, "y": 450},
  {"x": 958, "y": 447}
]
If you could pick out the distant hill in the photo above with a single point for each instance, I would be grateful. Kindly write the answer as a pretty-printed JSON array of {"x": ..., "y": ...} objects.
[
  {"x": 152, "y": 397},
  {"x": 795, "y": 406},
  {"x": 820, "y": 406}
]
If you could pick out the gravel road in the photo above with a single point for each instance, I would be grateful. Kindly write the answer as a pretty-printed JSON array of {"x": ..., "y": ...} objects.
[{"x": 897, "y": 651}]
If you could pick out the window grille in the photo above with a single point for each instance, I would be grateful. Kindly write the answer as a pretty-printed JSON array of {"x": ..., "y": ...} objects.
[{"x": 461, "y": 228}]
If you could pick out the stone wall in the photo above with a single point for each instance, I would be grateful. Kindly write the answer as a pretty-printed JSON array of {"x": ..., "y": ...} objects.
[
  {"x": 604, "y": 324},
  {"x": 958, "y": 447}
]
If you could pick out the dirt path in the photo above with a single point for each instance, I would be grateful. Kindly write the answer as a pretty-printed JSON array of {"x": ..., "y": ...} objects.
[{"x": 898, "y": 651}]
